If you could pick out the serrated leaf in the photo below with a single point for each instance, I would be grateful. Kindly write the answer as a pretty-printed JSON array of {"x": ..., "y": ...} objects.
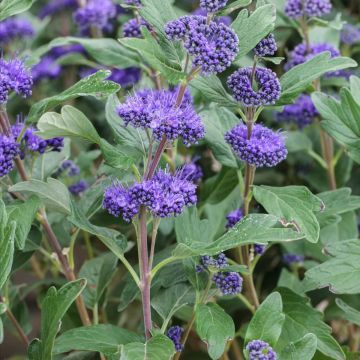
[
  {"x": 23, "y": 215},
  {"x": 341, "y": 119},
  {"x": 217, "y": 121},
  {"x": 302, "y": 319},
  {"x": 303, "y": 349},
  {"x": 340, "y": 272},
  {"x": 72, "y": 123},
  {"x": 159, "y": 347},
  {"x": 54, "y": 307},
  {"x": 98, "y": 273},
  {"x": 94, "y": 85},
  {"x": 267, "y": 322},
  {"x": 12, "y": 7},
  {"x": 300, "y": 77},
  {"x": 53, "y": 193},
  {"x": 106, "y": 52},
  {"x": 105, "y": 338},
  {"x": 293, "y": 204},
  {"x": 251, "y": 29},
  {"x": 215, "y": 327}
]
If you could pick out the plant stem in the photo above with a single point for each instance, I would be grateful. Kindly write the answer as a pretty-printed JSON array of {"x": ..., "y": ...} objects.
[
  {"x": 327, "y": 146},
  {"x": 144, "y": 272},
  {"x": 156, "y": 223}
]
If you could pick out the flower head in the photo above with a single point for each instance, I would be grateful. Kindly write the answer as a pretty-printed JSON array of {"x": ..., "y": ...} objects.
[
  {"x": 350, "y": 34},
  {"x": 9, "y": 149},
  {"x": 212, "y": 5},
  {"x": 175, "y": 333},
  {"x": 47, "y": 68},
  {"x": 156, "y": 110},
  {"x": 233, "y": 218},
  {"x": 260, "y": 350},
  {"x": 266, "y": 46},
  {"x": 226, "y": 20},
  {"x": 79, "y": 187},
  {"x": 302, "y": 112},
  {"x": 259, "y": 249},
  {"x": 191, "y": 171},
  {"x": 229, "y": 283},
  {"x": 265, "y": 148},
  {"x": 15, "y": 28},
  {"x": 268, "y": 86},
  {"x": 218, "y": 262},
  {"x": 132, "y": 28},
  {"x": 213, "y": 46},
  {"x": 56, "y": 6},
  {"x": 69, "y": 167},
  {"x": 95, "y": 14},
  {"x": 311, "y": 8}
]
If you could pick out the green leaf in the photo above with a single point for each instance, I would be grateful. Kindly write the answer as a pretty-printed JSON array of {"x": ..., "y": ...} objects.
[
  {"x": 237, "y": 4},
  {"x": 217, "y": 122},
  {"x": 7, "y": 244},
  {"x": 215, "y": 327},
  {"x": 297, "y": 141},
  {"x": 267, "y": 322},
  {"x": 213, "y": 90},
  {"x": 340, "y": 272},
  {"x": 302, "y": 319},
  {"x": 295, "y": 205},
  {"x": 23, "y": 214},
  {"x": 303, "y": 349},
  {"x": 114, "y": 156},
  {"x": 300, "y": 77},
  {"x": 104, "y": 338},
  {"x": 72, "y": 123},
  {"x": 159, "y": 347},
  {"x": 12, "y": 7},
  {"x": 349, "y": 313},
  {"x": 98, "y": 273},
  {"x": 53, "y": 193},
  {"x": 355, "y": 87},
  {"x": 251, "y": 29},
  {"x": 94, "y": 85},
  {"x": 341, "y": 119},
  {"x": 115, "y": 241},
  {"x": 54, "y": 307},
  {"x": 106, "y": 52},
  {"x": 253, "y": 229}
]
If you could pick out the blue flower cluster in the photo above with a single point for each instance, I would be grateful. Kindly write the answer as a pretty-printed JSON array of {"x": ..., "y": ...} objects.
[
  {"x": 267, "y": 84},
  {"x": 14, "y": 76},
  {"x": 133, "y": 2},
  {"x": 78, "y": 187},
  {"x": 311, "y": 8},
  {"x": 9, "y": 150},
  {"x": 290, "y": 259},
  {"x": 213, "y": 5},
  {"x": 156, "y": 110},
  {"x": 213, "y": 46},
  {"x": 15, "y": 28},
  {"x": 56, "y": 6},
  {"x": 95, "y": 14},
  {"x": 175, "y": 333},
  {"x": 266, "y": 47},
  {"x": 233, "y": 218},
  {"x": 350, "y": 34},
  {"x": 192, "y": 171},
  {"x": 260, "y": 350},
  {"x": 165, "y": 195},
  {"x": 207, "y": 261},
  {"x": 46, "y": 68},
  {"x": 302, "y": 112},
  {"x": 132, "y": 28},
  {"x": 69, "y": 168},
  {"x": 226, "y": 20},
  {"x": 229, "y": 283},
  {"x": 265, "y": 148}
]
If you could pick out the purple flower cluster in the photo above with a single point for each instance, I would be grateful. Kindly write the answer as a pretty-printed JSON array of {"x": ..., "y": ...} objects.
[
  {"x": 15, "y": 28},
  {"x": 229, "y": 283},
  {"x": 132, "y": 28},
  {"x": 133, "y": 2},
  {"x": 290, "y": 259},
  {"x": 213, "y": 46},
  {"x": 207, "y": 261},
  {"x": 311, "y": 8},
  {"x": 46, "y": 68},
  {"x": 226, "y": 20},
  {"x": 175, "y": 333},
  {"x": 33, "y": 142},
  {"x": 233, "y": 218},
  {"x": 302, "y": 112},
  {"x": 156, "y": 110},
  {"x": 68, "y": 167},
  {"x": 14, "y": 76},
  {"x": 165, "y": 195},
  {"x": 260, "y": 350},
  {"x": 191, "y": 171},
  {"x": 268, "y": 86},
  {"x": 266, "y": 46},
  {"x": 9, "y": 149},
  {"x": 350, "y": 34},
  {"x": 56, "y": 6},
  {"x": 78, "y": 187},
  {"x": 259, "y": 249},
  {"x": 265, "y": 148},
  {"x": 95, "y": 14},
  {"x": 212, "y": 5}
]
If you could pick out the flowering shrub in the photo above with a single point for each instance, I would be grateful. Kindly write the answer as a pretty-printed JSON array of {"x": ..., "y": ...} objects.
[{"x": 179, "y": 179}]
